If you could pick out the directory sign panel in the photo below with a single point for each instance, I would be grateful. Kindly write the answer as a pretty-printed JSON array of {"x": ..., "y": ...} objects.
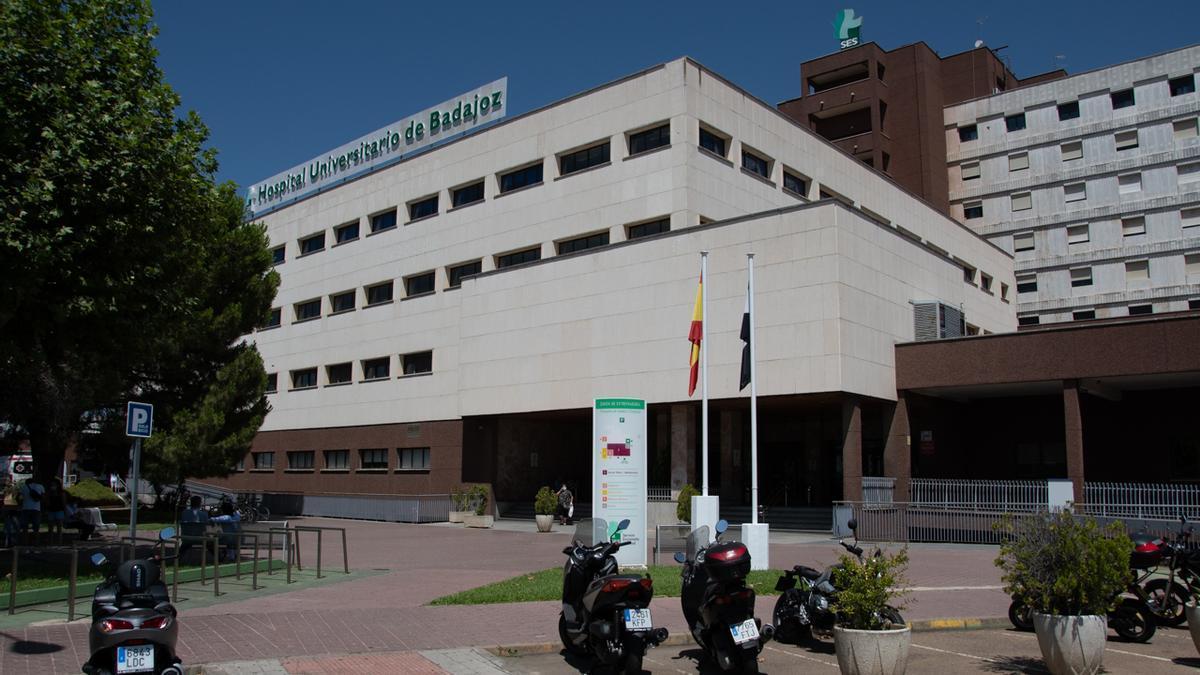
[{"x": 619, "y": 459}]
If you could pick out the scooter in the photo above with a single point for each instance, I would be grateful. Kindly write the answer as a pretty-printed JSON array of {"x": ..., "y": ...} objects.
[
  {"x": 717, "y": 605},
  {"x": 804, "y": 609},
  {"x": 606, "y": 614},
  {"x": 134, "y": 627}
]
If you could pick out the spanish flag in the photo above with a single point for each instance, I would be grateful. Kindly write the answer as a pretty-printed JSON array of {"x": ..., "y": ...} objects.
[{"x": 695, "y": 335}]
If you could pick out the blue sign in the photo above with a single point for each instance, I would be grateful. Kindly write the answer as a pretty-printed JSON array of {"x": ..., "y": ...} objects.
[{"x": 139, "y": 419}]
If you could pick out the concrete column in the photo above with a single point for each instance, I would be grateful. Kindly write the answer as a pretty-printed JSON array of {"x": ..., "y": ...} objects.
[
  {"x": 729, "y": 489},
  {"x": 683, "y": 446},
  {"x": 897, "y": 452},
  {"x": 1073, "y": 428},
  {"x": 851, "y": 450}
]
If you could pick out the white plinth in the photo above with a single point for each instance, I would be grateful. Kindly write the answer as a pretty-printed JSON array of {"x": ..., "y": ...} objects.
[
  {"x": 757, "y": 538},
  {"x": 706, "y": 511}
]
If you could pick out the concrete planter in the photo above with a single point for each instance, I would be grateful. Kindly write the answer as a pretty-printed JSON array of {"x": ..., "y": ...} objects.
[
  {"x": 872, "y": 652},
  {"x": 457, "y": 516},
  {"x": 545, "y": 522},
  {"x": 1192, "y": 612},
  {"x": 1071, "y": 645},
  {"x": 472, "y": 520}
]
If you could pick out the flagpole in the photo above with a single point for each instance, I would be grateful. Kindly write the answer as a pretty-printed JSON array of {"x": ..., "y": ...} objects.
[
  {"x": 704, "y": 368},
  {"x": 753, "y": 396}
]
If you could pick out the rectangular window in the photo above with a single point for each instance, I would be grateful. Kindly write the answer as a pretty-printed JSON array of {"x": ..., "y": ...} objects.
[
  {"x": 972, "y": 210},
  {"x": 645, "y": 141},
  {"x": 1194, "y": 303},
  {"x": 968, "y": 133},
  {"x": 1122, "y": 99},
  {"x": 1078, "y": 234},
  {"x": 379, "y": 293},
  {"x": 374, "y": 458},
  {"x": 272, "y": 383},
  {"x": 519, "y": 258},
  {"x": 305, "y": 378},
  {"x": 383, "y": 221},
  {"x": 1127, "y": 140},
  {"x": 418, "y": 284},
  {"x": 1022, "y": 242},
  {"x": 583, "y": 159},
  {"x": 423, "y": 208},
  {"x": 1188, "y": 173},
  {"x": 339, "y": 373},
  {"x": 1191, "y": 264},
  {"x": 970, "y": 171},
  {"x": 457, "y": 272},
  {"x": 1027, "y": 283},
  {"x": 1133, "y": 226},
  {"x": 985, "y": 282},
  {"x": 1018, "y": 162},
  {"x": 1182, "y": 85},
  {"x": 1075, "y": 192},
  {"x": 1072, "y": 150},
  {"x": 1083, "y": 315},
  {"x": 1004, "y": 292},
  {"x": 300, "y": 460},
  {"x": 1031, "y": 320},
  {"x": 345, "y": 233},
  {"x": 377, "y": 369},
  {"x": 1081, "y": 276},
  {"x": 263, "y": 461},
  {"x": 646, "y": 229},
  {"x": 1137, "y": 270},
  {"x": 1129, "y": 183},
  {"x": 712, "y": 142},
  {"x": 467, "y": 194},
  {"x": 417, "y": 363},
  {"x": 795, "y": 184},
  {"x": 413, "y": 459},
  {"x": 524, "y": 177},
  {"x": 342, "y": 302},
  {"x": 310, "y": 309},
  {"x": 1184, "y": 129},
  {"x": 337, "y": 460},
  {"x": 277, "y": 255},
  {"x": 583, "y": 243},
  {"x": 1138, "y": 310},
  {"x": 312, "y": 244},
  {"x": 274, "y": 318},
  {"x": 1189, "y": 218},
  {"x": 1068, "y": 111},
  {"x": 969, "y": 275},
  {"x": 1022, "y": 201},
  {"x": 755, "y": 164},
  {"x": 1015, "y": 122}
]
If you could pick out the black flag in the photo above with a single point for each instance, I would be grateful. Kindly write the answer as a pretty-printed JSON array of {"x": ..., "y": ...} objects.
[{"x": 746, "y": 356}]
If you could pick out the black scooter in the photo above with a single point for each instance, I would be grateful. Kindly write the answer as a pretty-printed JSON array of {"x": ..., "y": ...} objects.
[
  {"x": 606, "y": 614},
  {"x": 717, "y": 605},
  {"x": 134, "y": 627}
]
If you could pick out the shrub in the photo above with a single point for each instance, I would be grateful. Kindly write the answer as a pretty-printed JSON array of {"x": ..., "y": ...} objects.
[
  {"x": 479, "y": 496},
  {"x": 461, "y": 498},
  {"x": 867, "y": 588},
  {"x": 92, "y": 493},
  {"x": 683, "y": 507},
  {"x": 545, "y": 503},
  {"x": 1058, "y": 563}
]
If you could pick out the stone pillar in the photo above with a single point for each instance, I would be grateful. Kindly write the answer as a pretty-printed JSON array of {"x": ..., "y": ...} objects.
[
  {"x": 851, "y": 450},
  {"x": 731, "y": 441},
  {"x": 683, "y": 446},
  {"x": 1073, "y": 435},
  {"x": 897, "y": 451}
]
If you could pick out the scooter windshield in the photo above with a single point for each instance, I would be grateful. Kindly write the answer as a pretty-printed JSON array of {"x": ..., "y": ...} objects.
[
  {"x": 696, "y": 540},
  {"x": 591, "y": 531}
]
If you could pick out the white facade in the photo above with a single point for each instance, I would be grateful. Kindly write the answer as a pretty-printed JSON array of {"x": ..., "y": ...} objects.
[
  {"x": 1102, "y": 210},
  {"x": 835, "y": 281}
]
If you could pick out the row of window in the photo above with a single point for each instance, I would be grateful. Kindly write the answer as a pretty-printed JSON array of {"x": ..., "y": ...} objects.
[
  {"x": 1135, "y": 271},
  {"x": 1131, "y": 226},
  {"x": 369, "y": 459},
  {"x": 1088, "y": 314},
  {"x": 1124, "y": 98},
  {"x": 754, "y": 162},
  {"x": 370, "y": 370}
]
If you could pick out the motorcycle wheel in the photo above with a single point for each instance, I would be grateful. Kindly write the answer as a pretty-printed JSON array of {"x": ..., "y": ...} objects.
[
  {"x": 1167, "y": 606},
  {"x": 750, "y": 665},
  {"x": 890, "y": 615},
  {"x": 632, "y": 664},
  {"x": 1133, "y": 620},
  {"x": 788, "y": 628},
  {"x": 1020, "y": 617},
  {"x": 571, "y": 647}
]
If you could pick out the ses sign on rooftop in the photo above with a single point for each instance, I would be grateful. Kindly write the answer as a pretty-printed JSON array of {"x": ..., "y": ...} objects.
[
  {"x": 848, "y": 28},
  {"x": 384, "y": 146}
]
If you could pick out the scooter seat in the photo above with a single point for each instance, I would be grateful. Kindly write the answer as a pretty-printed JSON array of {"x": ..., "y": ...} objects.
[{"x": 808, "y": 572}]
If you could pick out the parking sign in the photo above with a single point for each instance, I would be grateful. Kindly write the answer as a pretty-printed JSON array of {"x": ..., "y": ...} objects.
[{"x": 139, "y": 419}]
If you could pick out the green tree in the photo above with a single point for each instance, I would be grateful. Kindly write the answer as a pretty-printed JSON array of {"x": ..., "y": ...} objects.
[{"x": 126, "y": 271}]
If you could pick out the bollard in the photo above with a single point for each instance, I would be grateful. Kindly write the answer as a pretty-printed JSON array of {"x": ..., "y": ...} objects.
[
  {"x": 237, "y": 559},
  {"x": 319, "y": 533},
  {"x": 289, "y": 555},
  {"x": 296, "y": 540},
  {"x": 12, "y": 582},
  {"x": 71, "y": 581},
  {"x": 175, "y": 575},
  {"x": 203, "y": 560},
  {"x": 254, "y": 578},
  {"x": 345, "y": 558},
  {"x": 216, "y": 567},
  {"x": 270, "y": 552}
]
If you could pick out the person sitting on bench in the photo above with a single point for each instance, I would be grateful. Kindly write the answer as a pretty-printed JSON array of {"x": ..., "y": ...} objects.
[
  {"x": 74, "y": 519},
  {"x": 193, "y": 525}
]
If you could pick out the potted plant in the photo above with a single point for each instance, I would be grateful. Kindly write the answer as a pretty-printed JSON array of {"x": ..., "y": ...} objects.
[
  {"x": 1192, "y": 612},
  {"x": 479, "y": 497},
  {"x": 460, "y": 504},
  {"x": 870, "y": 637},
  {"x": 683, "y": 503},
  {"x": 544, "y": 505},
  {"x": 1069, "y": 572}
]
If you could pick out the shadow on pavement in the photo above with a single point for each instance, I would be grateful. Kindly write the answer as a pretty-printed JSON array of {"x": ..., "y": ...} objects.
[
  {"x": 1191, "y": 662},
  {"x": 1015, "y": 664},
  {"x": 29, "y": 647}
]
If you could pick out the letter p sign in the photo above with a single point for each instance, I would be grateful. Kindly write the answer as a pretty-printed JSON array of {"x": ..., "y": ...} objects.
[{"x": 139, "y": 419}]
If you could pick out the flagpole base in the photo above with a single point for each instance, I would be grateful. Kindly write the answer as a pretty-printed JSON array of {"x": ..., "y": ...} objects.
[
  {"x": 757, "y": 538},
  {"x": 706, "y": 511}
]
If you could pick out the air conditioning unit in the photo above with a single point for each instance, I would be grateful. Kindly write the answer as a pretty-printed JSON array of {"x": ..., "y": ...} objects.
[{"x": 937, "y": 320}]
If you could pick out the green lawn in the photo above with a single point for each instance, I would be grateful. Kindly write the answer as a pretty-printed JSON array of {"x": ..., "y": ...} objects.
[{"x": 547, "y": 585}]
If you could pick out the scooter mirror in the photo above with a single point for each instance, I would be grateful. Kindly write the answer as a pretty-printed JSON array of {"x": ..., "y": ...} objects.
[
  {"x": 623, "y": 525},
  {"x": 680, "y": 557},
  {"x": 722, "y": 525},
  {"x": 852, "y": 524},
  {"x": 166, "y": 534},
  {"x": 98, "y": 559}
]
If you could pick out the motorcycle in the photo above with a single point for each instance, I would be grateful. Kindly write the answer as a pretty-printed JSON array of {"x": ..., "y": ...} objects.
[
  {"x": 1167, "y": 596},
  {"x": 134, "y": 627},
  {"x": 717, "y": 605},
  {"x": 606, "y": 614},
  {"x": 807, "y": 597}
]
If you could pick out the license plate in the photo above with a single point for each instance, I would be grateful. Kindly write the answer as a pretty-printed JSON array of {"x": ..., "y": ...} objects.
[
  {"x": 744, "y": 632},
  {"x": 135, "y": 659},
  {"x": 637, "y": 619}
]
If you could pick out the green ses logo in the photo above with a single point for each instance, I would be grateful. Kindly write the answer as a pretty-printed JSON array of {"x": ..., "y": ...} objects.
[{"x": 848, "y": 28}]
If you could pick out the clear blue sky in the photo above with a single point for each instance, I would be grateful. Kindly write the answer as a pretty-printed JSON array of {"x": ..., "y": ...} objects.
[{"x": 279, "y": 83}]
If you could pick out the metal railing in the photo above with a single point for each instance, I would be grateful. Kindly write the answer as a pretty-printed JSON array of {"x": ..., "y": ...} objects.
[
  {"x": 659, "y": 493},
  {"x": 911, "y": 522},
  {"x": 394, "y": 508},
  {"x": 1004, "y": 495},
  {"x": 878, "y": 489},
  {"x": 1161, "y": 501}
]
